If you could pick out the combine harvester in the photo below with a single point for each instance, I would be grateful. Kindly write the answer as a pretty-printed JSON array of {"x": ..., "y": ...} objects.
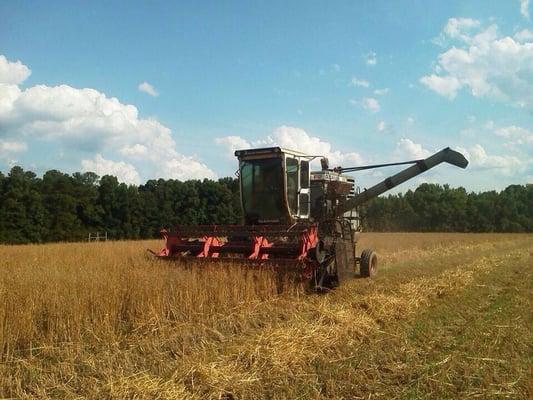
[{"x": 294, "y": 218}]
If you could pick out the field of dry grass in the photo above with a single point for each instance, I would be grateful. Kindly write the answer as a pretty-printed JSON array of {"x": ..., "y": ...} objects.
[{"x": 448, "y": 316}]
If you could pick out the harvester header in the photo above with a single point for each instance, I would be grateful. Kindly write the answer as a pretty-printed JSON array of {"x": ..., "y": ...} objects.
[{"x": 294, "y": 217}]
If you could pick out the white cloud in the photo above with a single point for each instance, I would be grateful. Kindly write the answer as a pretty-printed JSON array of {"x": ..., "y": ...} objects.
[
  {"x": 487, "y": 63},
  {"x": 298, "y": 139},
  {"x": 516, "y": 135},
  {"x": 524, "y": 8},
  {"x": 184, "y": 167},
  {"x": 123, "y": 171},
  {"x": 381, "y": 126},
  {"x": 232, "y": 143},
  {"x": 9, "y": 148},
  {"x": 12, "y": 73},
  {"x": 516, "y": 139},
  {"x": 406, "y": 149},
  {"x": 148, "y": 89},
  {"x": 478, "y": 158},
  {"x": 295, "y": 139},
  {"x": 410, "y": 120},
  {"x": 135, "y": 150},
  {"x": 12, "y": 147},
  {"x": 359, "y": 82},
  {"x": 381, "y": 92},
  {"x": 445, "y": 86},
  {"x": 459, "y": 28},
  {"x": 371, "y": 58},
  {"x": 371, "y": 104},
  {"x": 87, "y": 120},
  {"x": 524, "y": 35}
]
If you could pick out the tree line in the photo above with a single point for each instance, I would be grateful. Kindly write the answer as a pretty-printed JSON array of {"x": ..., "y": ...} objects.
[
  {"x": 63, "y": 207},
  {"x": 439, "y": 208}
]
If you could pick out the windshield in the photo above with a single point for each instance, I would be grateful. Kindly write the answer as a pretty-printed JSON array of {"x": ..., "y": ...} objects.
[{"x": 262, "y": 190}]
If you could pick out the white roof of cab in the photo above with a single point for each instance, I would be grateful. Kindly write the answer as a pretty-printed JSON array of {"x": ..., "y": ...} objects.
[{"x": 268, "y": 150}]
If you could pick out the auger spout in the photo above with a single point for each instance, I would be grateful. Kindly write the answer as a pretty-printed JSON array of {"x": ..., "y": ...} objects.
[{"x": 445, "y": 155}]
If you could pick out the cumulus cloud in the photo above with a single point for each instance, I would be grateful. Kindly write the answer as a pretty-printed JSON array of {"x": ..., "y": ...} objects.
[
  {"x": 406, "y": 149},
  {"x": 371, "y": 58},
  {"x": 524, "y": 35},
  {"x": 184, "y": 167},
  {"x": 458, "y": 28},
  {"x": 486, "y": 63},
  {"x": 147, "y": 88},
  {"x": 359, "y": 82},
  {"x": 232, "y": 143},
  {"x": 478, "y": 157},
  {"x": 123, "y": 171},
  {"x": 507, "y": 164},
  {"x": 524, "y": 8},
  {"x": 12, "y": 73},
  {"x": 136, "y": 150},
  {"x": 445, "y": 86},
  {"x": 299, "y": 139},
  {"x": 295, "y": 139},
  {"x": 89, "y": 121},
  {"x": 381, "y": 126},
  {"x": 516, "y": 135}
]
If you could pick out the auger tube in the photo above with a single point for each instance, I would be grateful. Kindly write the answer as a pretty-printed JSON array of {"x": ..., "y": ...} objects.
[{"x": 445, "y": 155}]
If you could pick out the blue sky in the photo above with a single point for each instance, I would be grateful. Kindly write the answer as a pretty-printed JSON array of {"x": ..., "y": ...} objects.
[{"x": 149, "y": 89}]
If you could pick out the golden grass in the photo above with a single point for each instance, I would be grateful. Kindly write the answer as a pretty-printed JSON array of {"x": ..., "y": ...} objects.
[{"x": 106, "y": 320}]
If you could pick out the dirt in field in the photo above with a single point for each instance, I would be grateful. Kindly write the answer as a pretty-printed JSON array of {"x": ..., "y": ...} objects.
[{"x": 448, "y": 316}]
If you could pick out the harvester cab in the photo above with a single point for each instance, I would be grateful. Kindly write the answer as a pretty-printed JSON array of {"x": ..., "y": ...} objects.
[
  {"x": 275, "y": 185},
  {"x": 294, "y": 218}
]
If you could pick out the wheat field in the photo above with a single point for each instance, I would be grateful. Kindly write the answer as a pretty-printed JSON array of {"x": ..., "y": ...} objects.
[{"x": 448, "y": 316}]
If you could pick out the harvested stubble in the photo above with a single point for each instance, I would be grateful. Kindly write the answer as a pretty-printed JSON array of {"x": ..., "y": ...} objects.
[{"x": 105, "y": 320}]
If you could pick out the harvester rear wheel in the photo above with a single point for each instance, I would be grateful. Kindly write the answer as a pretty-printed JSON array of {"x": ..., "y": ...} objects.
[{"x": 369, "y": 263}]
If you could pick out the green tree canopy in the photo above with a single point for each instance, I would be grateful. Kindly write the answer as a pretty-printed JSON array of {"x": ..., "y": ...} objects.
[{"x": 63, "y": 207}]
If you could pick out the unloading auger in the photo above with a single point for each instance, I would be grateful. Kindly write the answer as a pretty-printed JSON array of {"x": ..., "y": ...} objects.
[{"x": 295, "y": 218}]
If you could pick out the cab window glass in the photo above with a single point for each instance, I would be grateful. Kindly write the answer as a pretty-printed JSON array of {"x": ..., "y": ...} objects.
[
  {"x": 304, "y": 174},
  {"x": 292, "y": 184}
]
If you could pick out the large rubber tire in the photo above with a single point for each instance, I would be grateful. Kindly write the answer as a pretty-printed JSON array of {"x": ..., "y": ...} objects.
[{"x": 368, "y": 265}]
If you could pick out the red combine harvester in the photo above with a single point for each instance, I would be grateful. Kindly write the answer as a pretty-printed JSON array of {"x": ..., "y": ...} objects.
[{"x": 295, "y": 218}]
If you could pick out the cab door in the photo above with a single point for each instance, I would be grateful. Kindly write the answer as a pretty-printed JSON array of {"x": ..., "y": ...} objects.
[
  {"x": 298, "y": 183},
  {"x": 292, "y": 171}
]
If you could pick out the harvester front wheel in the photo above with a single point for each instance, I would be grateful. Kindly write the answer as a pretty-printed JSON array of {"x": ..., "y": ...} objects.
[{"x": 368, "y": 265}]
